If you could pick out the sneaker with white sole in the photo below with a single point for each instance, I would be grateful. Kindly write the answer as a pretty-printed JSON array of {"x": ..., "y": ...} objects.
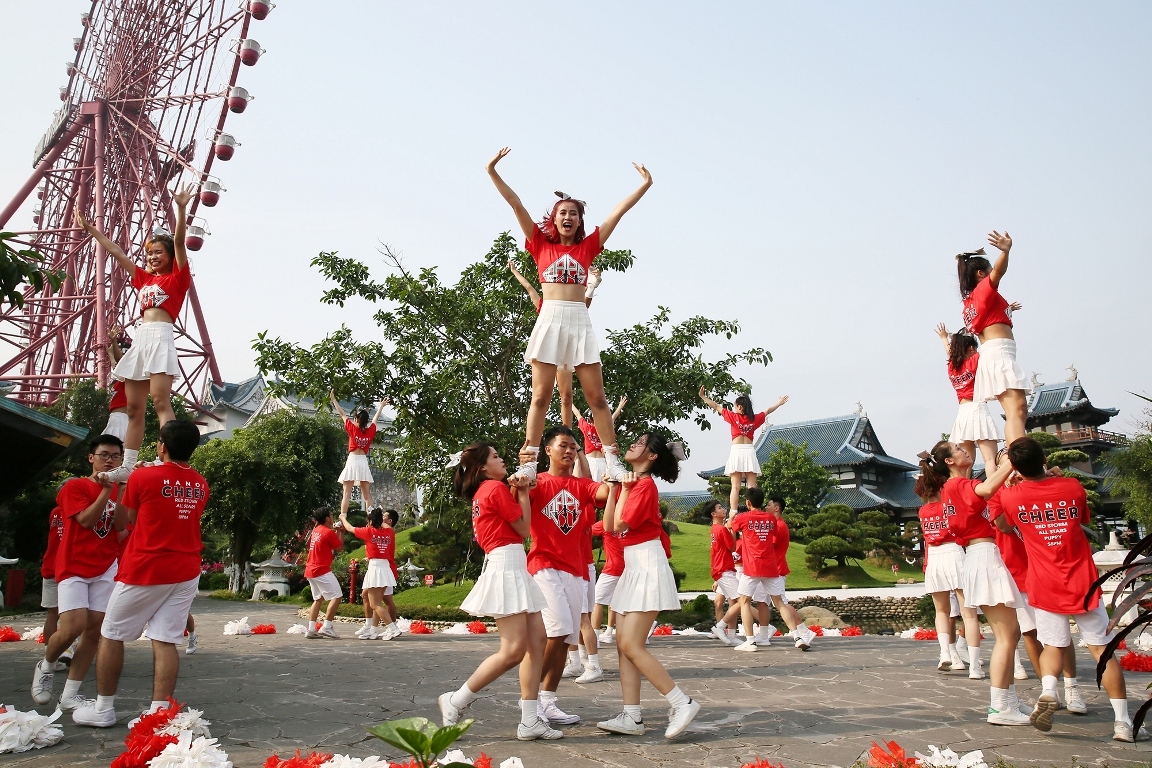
[
  {"x": 748, "y": 646},
  {"x": 1122, "y": 731},
  {"x": 721, "y": 634},
  {"x": 90, "y": 716},
  {"x": 592, "y": 674},
  {"x": 764, "y": 636},
  {"x": 804, "y": 640},
  {"x": 118, "y": 475},
  {"x": 372, "y": 634},
  {"x": 1007, "y": 716},
  {"x": 1019, "y": 673},
  {"x": 538, "y": 730},
  {"x": 573, "y": 669},
  {"x": 362, "y": 631},
  {"x": 958, "y": 664},
  {"x": 553, "y": 714},
  {"x": 607, "y": 638},
  {"x": 945, "y": 665},
  {"x": 329, "y": 633},
  {"x": 150, "y": 710},
  {"x": 614, "y": 469},
  {"x": 976, "y": 672},
  {"x": 191, "y": 649},
  {"x": 449, "y": 712},
  {"x": 392, "y": 631},
  {"x": 42, "y": 681},
  {"x": 527, "y": 470},
  {"x": 680, "y": 717},
  {"x": 70, "y": 703},
  {"x": 311, "y": 633},
  {"x": 622, "y": 723},
  {"x": 1041, "y": 717},
  {"x": 1074, "y": 700}
]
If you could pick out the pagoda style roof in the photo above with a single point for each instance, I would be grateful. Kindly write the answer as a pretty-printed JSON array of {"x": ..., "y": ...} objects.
[
  {"x": 680, "y": 502},
  {"x": 244, "y": 396},
  {"x": 1065, "y": 401}
]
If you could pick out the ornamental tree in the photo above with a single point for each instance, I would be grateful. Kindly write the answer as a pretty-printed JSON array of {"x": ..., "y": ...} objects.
[{"x": 20, "y": 268}]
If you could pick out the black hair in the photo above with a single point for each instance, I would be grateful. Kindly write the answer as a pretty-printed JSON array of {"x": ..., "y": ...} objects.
[
  {"x": 469, "y": 474},
  {"x": 551, "y": 434},
  {"x": 320, "y": 514},
  {"x": 362, "y": 418},
  {"x": 780, "y": 501},
  {"x": 934, "y": 471},
  {"x": 958, "y": 348},
  {"x": 392, "y": 515},
  {"x": 667, "y": 466},
  {"x": 376, "y": 518},
  {"x": 710, "y": 507},
  {"x": 755, "y": 497},
  {"x": 967, "y": 265},
  {"x": 745, "y": 404},
  {"x": 1027, "y": 456},
  {"x": 105, "y": 440},
  {"x": 181, "y": 438}
]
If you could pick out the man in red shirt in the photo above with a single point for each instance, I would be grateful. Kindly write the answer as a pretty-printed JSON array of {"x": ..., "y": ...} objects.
[
  {"x": 1049, "y": 512},
  {"x": 323, "y": 544},
  {"x": 757, "y": 530},
  {"x": 48, "y": 598},
  {"x": 159, "y": 574},
  {"x": 781, "y": 541},
  {"x": 85, "y": 570},
  {"x": 726, "y": 581}
]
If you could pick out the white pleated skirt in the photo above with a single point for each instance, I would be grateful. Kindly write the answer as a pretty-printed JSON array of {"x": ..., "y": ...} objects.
[
  {"x": 379, "y": 574},
  {"x": 563, "y": 336},
  {"x": 356, "y": 469},
  {"x": 986, "y": 580},
  {"x": 647, "y": 583},
  {"x": 742, "y": 458},
  {"x": 505, "y": 587},
  {"x": 945, "y": 568},
  {"x": 153, "y": 351},
  {"x": 974, "y": 422},
  {"x": 998, "y": 370}
]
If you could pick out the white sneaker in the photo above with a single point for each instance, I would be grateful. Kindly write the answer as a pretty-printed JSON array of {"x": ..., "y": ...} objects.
[
  {"x": 764, "y": 636},
  {"x": 976, "y": 672},
  {"x": 527, "y": 470},
  {"x": 370, "y": 634},
  {"x": 1123, "y": 732},
  {"x": 364, "y": 628},
  {"x": 553, "y": 714},
  {"x": 1074, "y": 700},
  {"x": 961, "y": 646},
  {"x": 449, "y": 712},
  {"x": 1041, "y": 717},
  {"x": 311, "y": 633},
  {"x": 150, "y": 710},
  {"x": 329, "y": 632},
  {"x": 87, "y": 715},
  {"x": 615, "y": 470},
  {"x": 1007, "y": 716},
  {"x": 607, "y": 638},
  {"x": 573, "y": 669},
  {"x": 945, "y": 665},
  {"x": 592, "y": 674},
  {"x": 538, "y": 730},
  {"x": 804, "y": 641},
  {"x": 69, "y": 652},
  {"x": 680, "y": 717},
  {"x": 118, "y": 475},
  {"x": 74, "y": 702},
  {"x": 721, "y": 634},
  {"x": 191, "y": 649},
  {"x": 958, "y": 664},
  {"x": 1019, "y": 673},
  {"x": 42, "y": 682},
  {"x": 748, "y": 645},
  {"x": 763, "y": 641},
  {"x": 622, "y": 723}
]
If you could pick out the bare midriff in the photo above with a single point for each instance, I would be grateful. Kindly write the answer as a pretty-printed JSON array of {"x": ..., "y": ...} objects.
[
  {"x": 741, "y": 440},
  {"x": 156, "y": 315},
  {"x": 595, "y": 454},
  {"x": 358, "y": 452},
  {"x": 982, "y": 540},
  {"x": 563, "y": 292},
  {"x": 996, "y": 331}
]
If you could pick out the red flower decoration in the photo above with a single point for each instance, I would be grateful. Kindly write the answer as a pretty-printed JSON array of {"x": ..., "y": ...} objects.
[
  {"x": 894, "y": 758},
  {"x": 816, "y": 630},
  {"x": 410, "y": 764},
  {"x": 663, "y": 629},
  {"x": 1123, "y": 645},
  {"x": 40, "y": 638},
  {"x": 142, "y": 749},
  {"x": 477, "y": 628},
  {"x": 8, "y": 635},
  {"x": 419, "y": 628},
  {"x": 482, "y": 762},
  {"x": 264, "y": 629},
  {"x": 1136, "y": 662},
  {"x": 314, "y": 760},
  {"x": 924, "y": 634},
  {"x": 758, "y": 763},
  {"x": 778, "y": 634},
  {"x": 148, "y": 724},
  {"x": 851, "y": 632}
]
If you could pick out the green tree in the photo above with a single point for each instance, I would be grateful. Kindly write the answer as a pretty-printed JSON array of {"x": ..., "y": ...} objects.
[
  {"x": 879, "y": 534},
  {"x": 267, "y": 479},
  {"x": 833, "y": 534},
  {"x": 792, "y": 472},
  {"x": 451, "y": 361},
  {"x": 1133, "y": 465},
  {"x": 1055, "y": 455},
  {"x": 20, "y": 268}
]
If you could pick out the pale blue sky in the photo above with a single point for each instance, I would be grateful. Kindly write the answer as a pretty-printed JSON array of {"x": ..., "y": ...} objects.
[{"x": 816, "y": 166}]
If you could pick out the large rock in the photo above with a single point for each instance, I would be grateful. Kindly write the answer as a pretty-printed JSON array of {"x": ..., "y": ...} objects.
[{"x": 821, "y": 617}]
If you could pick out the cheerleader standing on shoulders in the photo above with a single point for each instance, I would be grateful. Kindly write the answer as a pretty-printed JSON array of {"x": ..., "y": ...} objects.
[
  {"x": 988, "y": 316},
  {"x": 985, "y": 580},
  {"x": 563, "y": 337},
  {"x": 379, "y": 544},
  {"x": 152, "y": 363},
  {"x": 593, "y": 448},
  {"x": 361, "y": 433},
  {"x": 742, "y": 462},
  {"x": 647, "y": 585},
  {"x": 504, "y": 591},
  {"x": 118, "y": 404}
]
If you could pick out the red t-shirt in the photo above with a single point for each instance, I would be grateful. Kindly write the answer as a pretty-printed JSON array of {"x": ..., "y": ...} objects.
[
  {"x": 164, "y": 292},
  {"x": 123, "y": 536},
  {"x": 783, "y": 539},
  {"x": 934, "y": 524},
  {"x": 757, "y": 530},
  {"x": 539, "y": 303},
  {"x": 85, "y": 552},
  {"x": 613, "y": 549},
  {"x": 165, "y": 545},
  {"x": 964, "y": 380},
  {"x": 379, "y": 543},
  {"x": 642, "y": 512},
  {"x": 558, "y": 263},
  {"x": 591, "y": 436},
  {"x": 359, "y": 438},
  {"x": 742, "y": 426},
  {"x": 1048, "y": 513},
  {"x": 666, "y": 542},
  {"x": 738, "y": 553},
  {"x": 119, "y": 399},
  {"x": 558, "y": 522},
  {"x": 323, "y": 544},
  {"x": 984, "y": 307},
  {"x": 493, "y": 509},
  {"x": 589, "y": 558},
  {"x": 1011, "y": 545},
  {"x": 967, "y": 512},
  {"x": 722, "y": 545},
  {"x": 55, "y": 534}
]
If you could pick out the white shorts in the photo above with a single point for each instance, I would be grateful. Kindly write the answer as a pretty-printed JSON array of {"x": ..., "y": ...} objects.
[
  {"x": 48, "y": 597},
  {"x": 325, "y": 586},
  {"x": 945, "y": 568},
  {"x": 163, "y": 607},
  {"x": 998, "y": 371},
  {"x": 563, "y": 599},
  {"x": 153, "y": 351},
  {"x": 356, "y": 469},
  {"x": 379, "y": 574},
  {"x": 563, "y": 336},
  {"x": 974, "y": 422},
  {"x": 987, "y": 581},
  {"x": 742, "y": 458},
  {"x": 589, "y": 590},
  {"x": 776, "y": 588},
  {"x": 597, "y": 468},
  {"x": 605, "y": 588},
  {"x": 728, "y": 585},
  {"x": 504, "y": 588},
  {"x": 1026, "y": 615},
  {"x": 91, "y": 593},
  {"x": 1053, "y": 629},
  {"x": 117, "y": 425},
  {"x": 388, "y": 590},
  {"x": 755, "y": 587}
]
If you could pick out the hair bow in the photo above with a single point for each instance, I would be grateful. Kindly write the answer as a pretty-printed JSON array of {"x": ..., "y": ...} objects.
[
  {"x": 970, "y": 254},
  {"x": 566, "y": 196},
  {"x": 161, "y": 232},
  {"x": 454, "y": 460},
  {"x": 924, "y": 455},
  {"x": 677, "y": 449}
]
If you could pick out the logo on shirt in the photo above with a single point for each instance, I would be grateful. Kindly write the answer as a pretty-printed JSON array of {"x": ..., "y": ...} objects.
[
  {"x": 475, "y": 509},
  {"x": 104, "y": 525},
  {"x": 152, "y": 296},
  {"x": 564, "y": 270},
  {"x": 564, "y": 510},
  {"x": 762, "y": 528}
]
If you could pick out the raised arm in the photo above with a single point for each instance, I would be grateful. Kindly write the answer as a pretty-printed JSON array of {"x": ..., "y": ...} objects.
[
  {"x": 779, "y": 403},
  {"x": 510, "y": 197},
  {"x": 711, "y": 403},
  {"x": 611, "y": 521},
  {"x": 531, "y": 289},
  {"x": 114, "y": 353},
  {"x": 988, "y": 488},
  {"x": 181, "y": 199},
  {"x": 619, "y": 408},
  {"x": 336, "y": 404},
  {"x": 523, "y": 524},
  {"x": 945, "y": 337},
  {"x": 117, "y": 252},
  {"x": 348, "y": 527},
  {"x": 625, "y": 205},
  {"x": 379, "y": 409},
  {"x": 1004, "y": 243}
]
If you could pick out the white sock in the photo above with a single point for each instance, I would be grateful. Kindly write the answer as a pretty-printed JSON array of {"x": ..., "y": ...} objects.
[
  {"x": 463, "y": 697},
  {"x": 1016, "y": 658},
  {"x": 327, "y": 624},
  {"x": 974, "y": 655},
  {"x": 104, "y": 703},
  {"x": 573, "y": 658},
  {"x": 546, "y": 698},
  {"x": 1049, "y": 684},
  {"x": 593, "y": 660},
  {"x": 367, "y": 623},
  {"x": 676, "y": 697},
  {"x": 71, "y": 688},
  {"x": 1120, "y": 707},
  {"x": 529, "y": 711},
  {"x": 392, "y": 625},
  {"x": 999, "y": 699},
  {"x": 583, "y": 654},
  {"x": 130, "y": 457},
  {"x": 1012, "y": 700},
  {"x": 633, "y": 712},
  {"x": 945, "y": 643},
  {"x": 1070, "y": 682},
  {"x": 155, "y": 705},
  {"x": 721, "y": 625}
]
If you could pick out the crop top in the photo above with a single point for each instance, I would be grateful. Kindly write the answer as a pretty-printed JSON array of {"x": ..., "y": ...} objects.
[
  {"x": 591, "y": 436},
  {"x": 567, "y": 264},
  {"x": 359, "y": 438},
  {"x": 164, "y": 292},
  {"x": 984, "y": 307},
  {"x": 119, "y": 399},
  {"x": 964, "y": 380},
  {"x": 742, "y": 426}
]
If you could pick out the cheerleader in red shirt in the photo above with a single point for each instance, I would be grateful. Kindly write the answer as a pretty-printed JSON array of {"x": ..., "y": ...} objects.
[
  {"x": 988, "y": 316},
  {"x": 504, "y": 591},
  {"x": 593, "y": 448},
  {"x": 361, "y": 433},
  {"x": 151, "y": 365},
  {"x": 118, "y": 404},
  {"x": 742, "y": 461},
  {"x": 647, "y": 586},
  {"x": 563, "y": 337}
]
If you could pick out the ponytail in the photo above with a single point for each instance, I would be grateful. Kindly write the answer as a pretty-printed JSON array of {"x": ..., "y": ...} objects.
[
  {"x": 967, "y": 265},
  {"x": 934, "y": 470}
]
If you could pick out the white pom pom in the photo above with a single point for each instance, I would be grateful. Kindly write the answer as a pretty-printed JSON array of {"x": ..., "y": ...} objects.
[{"x": 238, "y": 627}]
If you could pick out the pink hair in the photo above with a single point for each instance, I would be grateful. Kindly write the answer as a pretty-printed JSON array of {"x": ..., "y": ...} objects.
[{"x": 548, "y": 227}]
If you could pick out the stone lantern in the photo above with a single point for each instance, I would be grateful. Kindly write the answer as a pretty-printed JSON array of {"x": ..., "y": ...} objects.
[
  {"x": 1112, "y": 556},
  {"x": 409, "y": 571},
  {"x": 272, "y": 577}
]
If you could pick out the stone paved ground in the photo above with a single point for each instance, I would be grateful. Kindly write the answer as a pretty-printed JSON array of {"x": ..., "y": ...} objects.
[{"x": 276, "y": 693}]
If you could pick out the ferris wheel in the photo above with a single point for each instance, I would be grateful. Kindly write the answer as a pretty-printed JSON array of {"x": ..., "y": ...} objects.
[{"x": 145, "y": 105}]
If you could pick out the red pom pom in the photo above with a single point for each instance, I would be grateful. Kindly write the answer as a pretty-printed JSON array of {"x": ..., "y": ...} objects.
[
  {"x": 816, "y": 630},
  {"x": 663, "y": 629},
  {"x": 477, "y": 628},
  {"x": 8, "y": 635},
  {"x": 895, "y": 758},
  {"x": 264, "y": 629},
  {"x": 778, "y": 634},
  {"x": 419, "y": 628},
  {"x": 1123, "y": 645},
  {"x": 314, "y": 760},
  {"x": 758, "y": 763},
  {"x": 1136, "y": 662},
  {"x": 924, "y": 634},
  {"x": 851, "y": 632},
  {"x": 482, "y": 762},
  {"x": 142, "y": 749},
  {"x": 410, "y": 764}
]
